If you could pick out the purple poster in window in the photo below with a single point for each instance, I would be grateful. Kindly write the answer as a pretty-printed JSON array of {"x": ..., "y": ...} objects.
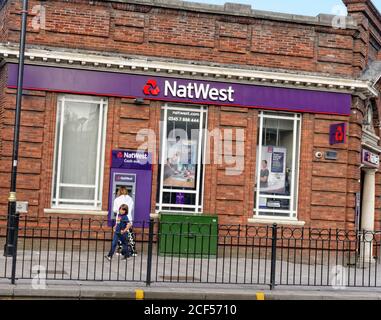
[{"x": 180, "y": 198}]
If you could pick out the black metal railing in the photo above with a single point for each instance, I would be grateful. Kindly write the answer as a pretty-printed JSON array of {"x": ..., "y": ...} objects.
[{"x": 75, "y": 249}]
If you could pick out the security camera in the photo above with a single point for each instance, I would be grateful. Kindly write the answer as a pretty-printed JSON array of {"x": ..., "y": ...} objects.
[{"x": 319, "y": 154}]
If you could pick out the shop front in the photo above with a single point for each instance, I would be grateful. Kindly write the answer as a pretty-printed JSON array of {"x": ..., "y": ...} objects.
[{"x": 230, "y": 148}]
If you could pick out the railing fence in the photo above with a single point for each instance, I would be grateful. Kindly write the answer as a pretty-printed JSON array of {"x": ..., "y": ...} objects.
[{"x": 75, "y": 249}]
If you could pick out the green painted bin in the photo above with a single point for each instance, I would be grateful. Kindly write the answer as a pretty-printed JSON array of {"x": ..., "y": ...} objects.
[{"x": 188, "y": 235}]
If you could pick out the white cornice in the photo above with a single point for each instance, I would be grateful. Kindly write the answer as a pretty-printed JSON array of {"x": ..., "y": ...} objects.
[{"x": 362, "y": 88}]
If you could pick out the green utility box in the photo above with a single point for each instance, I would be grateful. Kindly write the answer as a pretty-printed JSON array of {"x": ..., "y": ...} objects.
[{"x": 188, "y": 235}]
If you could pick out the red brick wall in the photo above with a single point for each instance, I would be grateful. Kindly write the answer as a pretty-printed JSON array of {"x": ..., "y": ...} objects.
[
  {"x": 369, "y": 21},
  {"x": 329, "y": 177},
  {"x": 3, "y": 79},
  {"x": 30, "y": 149},
  {"x": 4, "y": 14},
  {"x": 160, "y": 32}
]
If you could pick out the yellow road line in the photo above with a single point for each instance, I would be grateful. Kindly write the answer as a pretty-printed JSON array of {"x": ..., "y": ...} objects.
[
  {"x": 139, "y": 294},
  {"x": 260, "y": 296}
]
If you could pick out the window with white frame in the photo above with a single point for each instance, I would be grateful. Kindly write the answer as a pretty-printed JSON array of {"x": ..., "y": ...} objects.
[
  {"x": 277, "y": 166},
  {"x": 79, "y": 152},
  {"x": 181, "y": 170}
]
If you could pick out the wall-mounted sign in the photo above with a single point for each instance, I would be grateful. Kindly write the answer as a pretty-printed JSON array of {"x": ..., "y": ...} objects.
[
  {"x": 129, "y": 159},
  {"x": 330, "y": 155},
  {"x": 223, "y": 93},
  {"x": 22, "y": 207},
  {"x": 370, "y": 159},
  {"x": 337, "y": 133}
]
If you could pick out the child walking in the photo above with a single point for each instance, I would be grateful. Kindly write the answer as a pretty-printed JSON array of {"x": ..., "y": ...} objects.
[{"x": 121, "y": 228}]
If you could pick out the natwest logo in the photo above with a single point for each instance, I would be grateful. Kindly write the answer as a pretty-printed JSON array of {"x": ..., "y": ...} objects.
[
  {"x": 198, "y": 91},
  {"x": 151, "y": 88},
  {"x": 190, "y": 90}
]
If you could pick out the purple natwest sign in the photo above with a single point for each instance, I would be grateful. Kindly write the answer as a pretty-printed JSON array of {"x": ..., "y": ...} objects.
[
  {"x": 337, "y": 133},
  {"x": 127, "y": 159},
  {"x": 179, "y": 90}
]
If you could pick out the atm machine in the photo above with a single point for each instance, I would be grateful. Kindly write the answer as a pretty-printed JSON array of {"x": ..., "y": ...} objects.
[
  {"x": 127, "y": 180},
  {"x": 132, "y": 169}
]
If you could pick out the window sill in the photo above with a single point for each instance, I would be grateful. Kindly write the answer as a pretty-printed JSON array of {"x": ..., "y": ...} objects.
[
  {"x": 76, "y": 211},
  {"x": 277, "y": 221},
  {"x": 154, "y": 216}
]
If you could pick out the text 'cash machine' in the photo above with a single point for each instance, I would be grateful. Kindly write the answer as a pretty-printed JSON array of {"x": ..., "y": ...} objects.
[{"x": 133, "y": 170}]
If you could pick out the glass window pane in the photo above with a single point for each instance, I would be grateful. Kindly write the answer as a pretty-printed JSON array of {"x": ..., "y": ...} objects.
[
  {"x": 181, "y": 140},
  {"x": 79, "y": 148},
  {"x": 278, "y": 155},
  {"x": 274, "y": 214},
  {"x": 274, "y": 203},
  {"x": 183, "y": 133},
  {"x": 79, "y": 143},
  {"x": 185, "y": 210},
  {"x": 76, "y": 193},
  {"x": 179, "y": 198}
]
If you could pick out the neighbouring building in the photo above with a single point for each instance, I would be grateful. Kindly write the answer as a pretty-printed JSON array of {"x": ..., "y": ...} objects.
[{"x": 257, "y": 117}]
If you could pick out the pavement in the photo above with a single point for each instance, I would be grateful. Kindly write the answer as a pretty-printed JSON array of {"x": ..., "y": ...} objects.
[
  {"x": 230, "y": 276},
  {"x": 77, "y": 290}
]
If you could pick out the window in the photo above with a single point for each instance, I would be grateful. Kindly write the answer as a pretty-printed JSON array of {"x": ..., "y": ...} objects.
[
  {"x": 277, "y": 165},
  {"x": 79, "y": 152},
  {"x": 182, "y": 141}
]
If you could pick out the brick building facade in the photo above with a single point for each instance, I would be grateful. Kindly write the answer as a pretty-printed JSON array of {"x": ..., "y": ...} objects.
[{"x": 292, "y": 76}]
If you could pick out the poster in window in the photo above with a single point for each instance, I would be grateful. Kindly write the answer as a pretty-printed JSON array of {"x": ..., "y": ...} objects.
[
  {"x": 182, "y": 146},
  {"x": 273, "y": 170}
]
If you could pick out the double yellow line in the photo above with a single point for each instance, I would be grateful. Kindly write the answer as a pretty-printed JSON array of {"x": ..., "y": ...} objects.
[{"x": 139, "y": 295}]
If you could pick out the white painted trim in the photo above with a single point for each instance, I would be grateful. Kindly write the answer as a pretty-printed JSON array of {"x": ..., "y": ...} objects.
[
  {"x": 362, "y": 88},
  {"x": 103, "y": 151},
  {"x": 59, "y": 146},
  {"x": 74, "y": 185},
  {"x": 204, "y": 133},
  {"x": 154, "y": 216},
  {"x": 278, "y": 222},
  {"x": 371, "y": 134},
  {"x": 296, "y": 125},
  {"x": 163, "y": 149},
  {"x": 79, "y": 202},
  {"x": 75, "y": 211},
  {"x": 376, "y": 149},
  {"x": 258, "y": 163},
  {"x": 98, "y": 156}
]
